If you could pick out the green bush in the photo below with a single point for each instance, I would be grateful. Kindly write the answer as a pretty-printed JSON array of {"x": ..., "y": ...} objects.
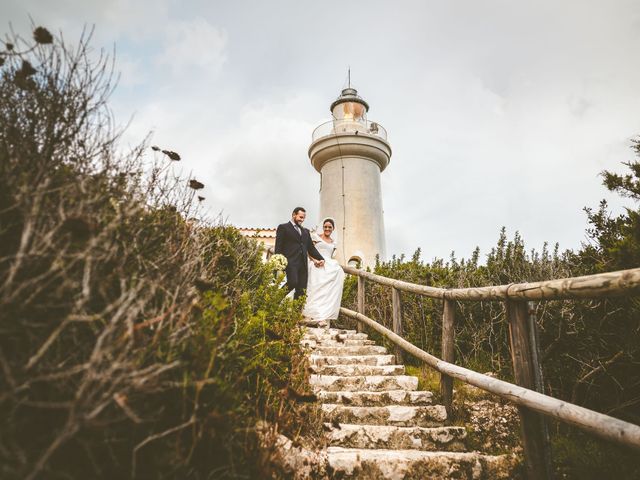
[{"x": 134, "y": 343}]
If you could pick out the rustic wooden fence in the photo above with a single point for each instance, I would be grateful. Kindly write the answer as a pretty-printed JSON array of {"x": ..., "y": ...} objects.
[{"x": 533, "y": 405}]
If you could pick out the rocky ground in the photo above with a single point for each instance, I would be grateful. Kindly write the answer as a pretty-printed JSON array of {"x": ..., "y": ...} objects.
[{"x": 492, "y": 425}]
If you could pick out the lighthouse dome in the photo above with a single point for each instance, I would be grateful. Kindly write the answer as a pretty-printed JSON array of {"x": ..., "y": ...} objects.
[{"x": 349, "y": 106}]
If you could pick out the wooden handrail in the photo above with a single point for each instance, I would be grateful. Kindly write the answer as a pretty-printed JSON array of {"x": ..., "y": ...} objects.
[
  {"x": 599, "y": 424},
  {"x": 524, "y": 347},
  {"x": 622, "y": 282},
  {"x": 431, "y": 292}
]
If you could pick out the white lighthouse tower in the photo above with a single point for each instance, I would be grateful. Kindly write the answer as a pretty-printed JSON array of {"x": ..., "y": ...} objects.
[{"x": 350, "y": 152}]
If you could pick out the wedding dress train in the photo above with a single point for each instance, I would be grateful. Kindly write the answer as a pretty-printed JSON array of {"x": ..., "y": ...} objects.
[{"x": 324, "y": 286}]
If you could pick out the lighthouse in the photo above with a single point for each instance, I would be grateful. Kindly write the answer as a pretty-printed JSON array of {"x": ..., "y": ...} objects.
[{"x": 350, "y": 152}]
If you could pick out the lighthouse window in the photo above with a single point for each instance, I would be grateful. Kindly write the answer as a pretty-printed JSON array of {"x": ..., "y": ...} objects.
[
  {"x": 349, "y": 111},
  {"x": 353, "y": 110}
]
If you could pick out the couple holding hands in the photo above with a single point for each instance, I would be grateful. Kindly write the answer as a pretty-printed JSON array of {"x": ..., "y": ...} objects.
[{"x": 310, "y": 266}]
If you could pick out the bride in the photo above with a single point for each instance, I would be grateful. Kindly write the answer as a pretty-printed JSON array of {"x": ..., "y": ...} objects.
[{"x": 324, "y": 286}]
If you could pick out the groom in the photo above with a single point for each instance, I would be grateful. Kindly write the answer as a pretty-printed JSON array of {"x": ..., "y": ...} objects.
[{"x": 294, "y": 242}]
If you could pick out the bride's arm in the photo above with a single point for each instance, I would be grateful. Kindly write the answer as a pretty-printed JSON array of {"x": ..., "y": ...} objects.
[
  {"x": 315, "y": 239},
  {"x": 314, "y": 260}
]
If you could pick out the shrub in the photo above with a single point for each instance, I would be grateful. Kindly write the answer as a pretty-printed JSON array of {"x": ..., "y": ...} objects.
[{"x": 133, "y": 342}]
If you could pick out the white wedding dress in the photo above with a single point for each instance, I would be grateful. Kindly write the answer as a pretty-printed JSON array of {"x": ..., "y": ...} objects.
[{"x": 324, "y": 286}]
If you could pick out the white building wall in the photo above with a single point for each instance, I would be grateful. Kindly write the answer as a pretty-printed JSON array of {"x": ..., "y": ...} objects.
[
  {"x": 350, "y": 166},
  {"x": 351, "y": 194}
]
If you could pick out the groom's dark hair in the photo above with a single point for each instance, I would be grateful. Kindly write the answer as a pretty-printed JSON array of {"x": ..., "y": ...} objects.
[{"x": 298, "y": 209}]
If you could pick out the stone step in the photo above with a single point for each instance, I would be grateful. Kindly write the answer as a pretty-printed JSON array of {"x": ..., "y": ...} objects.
[
  {"x": 397, "y": 438},
  {"x": 378, "y": 424},
  {"x": 347, "y": 463},
  {"x": 397, "y": 415},
  {"x": 357, "y": 342},
  {"x": 332, "y": 335},
  {"x": 319, "y": 332},
  {"x": 371, "y": 383},
  {"x": 305, "y": 342},
  {"x": 353, "y": 350},
  {"x": 351, "y": 359},
  {"x": 377, "y": 399},
  {"x": 352, "y": 370},
  {"x": 348, "y": 342}
]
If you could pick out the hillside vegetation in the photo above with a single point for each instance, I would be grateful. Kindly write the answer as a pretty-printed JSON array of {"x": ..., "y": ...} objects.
[
  {"x": 135, "y": 340},
  {"x": 590, "y": 349}
]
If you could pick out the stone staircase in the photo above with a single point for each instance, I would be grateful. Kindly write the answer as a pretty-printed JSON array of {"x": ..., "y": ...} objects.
[{"x": 378, "y": 424}]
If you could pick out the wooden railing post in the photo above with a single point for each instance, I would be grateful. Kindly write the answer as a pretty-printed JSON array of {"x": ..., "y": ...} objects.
[
  {"x": 525, "y": 368},
  {"x": 396, "y": 306},
  {"x": 535, "y": 346},
  {"x": 448, "y": 352},
  {"x": 359, "y": 326}
]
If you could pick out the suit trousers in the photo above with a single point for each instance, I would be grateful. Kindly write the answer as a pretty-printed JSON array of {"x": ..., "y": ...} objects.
[{"x": 297, "y": 278}]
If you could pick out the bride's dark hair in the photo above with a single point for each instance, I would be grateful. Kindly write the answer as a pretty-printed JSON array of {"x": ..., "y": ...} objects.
[{"x": 330, "y": 220}]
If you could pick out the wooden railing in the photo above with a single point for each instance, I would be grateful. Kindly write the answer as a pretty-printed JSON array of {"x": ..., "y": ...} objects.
[{"x": 532, "y": 404}]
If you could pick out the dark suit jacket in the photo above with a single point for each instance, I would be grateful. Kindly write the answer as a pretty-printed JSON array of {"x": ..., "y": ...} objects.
[{"x": 295, "y": 247}]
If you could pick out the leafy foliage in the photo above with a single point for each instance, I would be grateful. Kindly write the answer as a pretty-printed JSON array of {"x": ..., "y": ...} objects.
[
  {"x": 133, "y": 342},
  {"x": 615, "y": 240}
]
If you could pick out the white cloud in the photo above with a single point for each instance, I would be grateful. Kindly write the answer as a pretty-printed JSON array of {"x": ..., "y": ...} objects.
[
  {"x": 131, "y": 71},
  {"x": 193, "y": 44},
  {"x": 253, "y": 163},
  {"x": 260, "y": 169},
  {"x": 498, "y": 113}
]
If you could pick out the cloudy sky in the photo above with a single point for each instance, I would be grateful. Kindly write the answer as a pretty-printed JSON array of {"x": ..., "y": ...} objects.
[{"x": 499, "y": 113}]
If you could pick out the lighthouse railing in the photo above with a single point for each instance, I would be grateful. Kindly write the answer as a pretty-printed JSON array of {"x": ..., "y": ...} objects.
[
  {"x": 349, "y": 127},
  {"x": 520, "y": 315}
]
